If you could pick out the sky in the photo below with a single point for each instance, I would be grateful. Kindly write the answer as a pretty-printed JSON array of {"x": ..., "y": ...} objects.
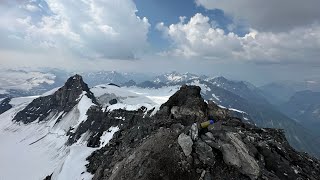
[{"x": 254, "y": 40}]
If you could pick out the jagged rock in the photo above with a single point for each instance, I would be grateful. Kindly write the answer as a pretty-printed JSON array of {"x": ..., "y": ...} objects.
[
  {"x": 113, "y": 101},
  {"x": 186, "y": 105},
  {"x": 204, "y": 152},
  {"x": 5, "y": 105},
  {"x": 237, "y": 154},
  {"x": 153, "y": 159},
  {"x": 216, "y": 113},
  {"x": 148, "y": 147},
  {"x": 63, "y": 100},
  {"x": 185, "y": 143}
]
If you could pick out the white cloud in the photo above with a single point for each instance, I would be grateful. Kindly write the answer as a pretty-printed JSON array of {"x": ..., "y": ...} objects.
[
  {"x": 31, "y": 8},
  {"x": 198, "y": 38},
  {"x": 85, "y": 28},
  {"x": 269, "y": 15}
]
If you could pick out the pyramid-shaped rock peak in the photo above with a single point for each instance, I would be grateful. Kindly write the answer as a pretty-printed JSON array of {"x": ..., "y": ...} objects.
[{"x": 63, "y": 100}]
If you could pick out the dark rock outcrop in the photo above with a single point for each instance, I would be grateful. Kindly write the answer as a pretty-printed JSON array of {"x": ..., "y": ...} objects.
[
  {"x": 5, "y": 105},
  {"x": 62, "y": 100},
  {"x": 158, "y": 147}
]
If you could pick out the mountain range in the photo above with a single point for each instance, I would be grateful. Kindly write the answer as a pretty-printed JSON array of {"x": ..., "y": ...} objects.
[
  {"x": 73, "y": 115},
  {"x": 113, "y": 132}
]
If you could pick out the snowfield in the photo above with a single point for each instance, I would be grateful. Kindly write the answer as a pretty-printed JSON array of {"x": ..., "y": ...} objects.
[
  {"x": 132, "y": 98},
  {"x": 39, "y": 149},
  {"x": 36, "y": 150}
]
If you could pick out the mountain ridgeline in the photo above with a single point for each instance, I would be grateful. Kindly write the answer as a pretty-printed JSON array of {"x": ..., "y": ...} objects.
[
  {"x": 245, "y": 97},
  {"x": 63, "y": 100},
  {"x": 167, "y": 142}
]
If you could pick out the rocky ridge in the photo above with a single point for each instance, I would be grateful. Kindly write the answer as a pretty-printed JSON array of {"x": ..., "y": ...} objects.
[
  {"x": 63, "y": 100},
  {"x": 170, "y": 145}
]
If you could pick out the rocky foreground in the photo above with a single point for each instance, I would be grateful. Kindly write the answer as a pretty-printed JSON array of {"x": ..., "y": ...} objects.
[{"x": 170, "y": 145}]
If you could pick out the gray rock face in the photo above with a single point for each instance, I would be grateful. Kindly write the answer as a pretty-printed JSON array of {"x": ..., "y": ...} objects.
[
  {"x": 158, "y": 147},
  {"x": 204, "y": 152},
  {"x": 5, "y": 105},
  {"x": 185, "y": 143},
  {"x": 113, "y": 101},
  {"x": 62, "y": 100},
  {"x": 237, "y": 154},
  {"x": 186, "y": 105}
]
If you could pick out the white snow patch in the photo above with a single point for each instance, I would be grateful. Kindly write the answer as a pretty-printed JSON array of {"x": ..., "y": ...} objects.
[
  {"x": 222, "y": 106},
  {"x": 22, "y": 100},
  {"x": 126, "y": 99},
  {"x": 73, "y": 167},
  {"x": 216, "y": 97},
  {"x": 133, "y": 98},
  {"x": 76, "y": 116},
  {"x": 107, "y": 136},
  {"x": 236, "y": 110},
  {"x": 204, "y": 88}
]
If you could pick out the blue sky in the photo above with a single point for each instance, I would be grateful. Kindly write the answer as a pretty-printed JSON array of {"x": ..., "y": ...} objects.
[
  {"x": 169, "y": 11},
  {"x": 255, "y": 40}
]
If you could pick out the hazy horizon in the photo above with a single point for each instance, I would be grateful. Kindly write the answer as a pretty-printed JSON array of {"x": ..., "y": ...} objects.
[{"x": 206, "y": 37}]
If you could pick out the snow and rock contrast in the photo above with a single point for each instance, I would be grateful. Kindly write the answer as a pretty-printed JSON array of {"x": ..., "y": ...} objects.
[
  {"x": 109, "y": 132},
  {"x": 34, "y": 134},
  {"x": 163, "y": 146}
]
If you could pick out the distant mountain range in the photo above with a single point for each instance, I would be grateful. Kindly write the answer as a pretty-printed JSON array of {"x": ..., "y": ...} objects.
[
  {"x": 247, "y": 101},
  {"x": 280, "y": 92},
  {"x": 242, "y": 96},
  {"x": 304, "y": 107},
  {"x": 112, "y": 132}
]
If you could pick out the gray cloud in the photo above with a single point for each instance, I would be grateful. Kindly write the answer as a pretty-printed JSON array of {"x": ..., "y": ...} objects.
[{"x": 269, "y": 15}]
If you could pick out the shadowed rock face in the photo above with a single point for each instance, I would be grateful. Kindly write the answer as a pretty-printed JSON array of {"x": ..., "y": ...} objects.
[
  {"x": 5, "y": 105},
  {"x": 164, "y": 146},
  {"x": 62, "y": 100}
]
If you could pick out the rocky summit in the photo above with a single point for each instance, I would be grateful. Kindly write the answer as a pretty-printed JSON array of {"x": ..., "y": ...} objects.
[
  {"x": 172, "y": 145},
  {"x": 63, "y": 100}
]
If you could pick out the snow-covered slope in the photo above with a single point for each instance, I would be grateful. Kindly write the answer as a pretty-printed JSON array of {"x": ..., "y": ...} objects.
[
  {"x": 132, "y": 98},
  {"x": 36, "y": 149},
  {"x": 39, "y": 149},
  {"x": 174, "y": 77}
]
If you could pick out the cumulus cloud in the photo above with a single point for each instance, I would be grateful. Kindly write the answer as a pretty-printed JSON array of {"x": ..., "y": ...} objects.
[
  {"x": 86, "y": 28},
  {"x": 269, "y": 15},
  {"x": 198, "y": 38}
]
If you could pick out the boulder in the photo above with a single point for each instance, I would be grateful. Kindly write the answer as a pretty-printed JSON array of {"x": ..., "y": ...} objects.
[{"x": 185, "y": 143}]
